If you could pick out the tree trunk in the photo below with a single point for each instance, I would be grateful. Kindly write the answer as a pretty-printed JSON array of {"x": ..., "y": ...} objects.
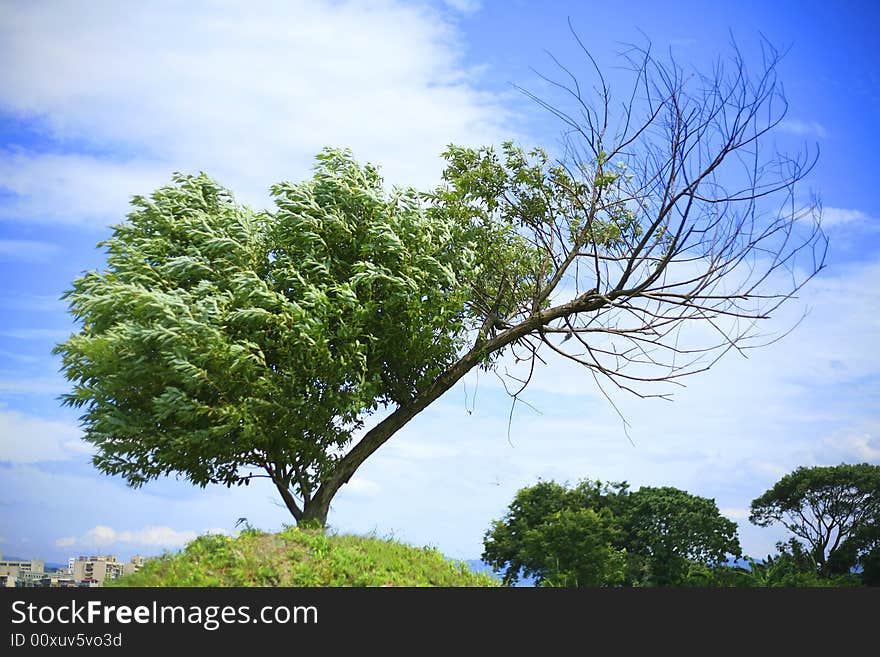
[
  {"x": 314, "y": 513},
  {"x": 379, "y": 434}
]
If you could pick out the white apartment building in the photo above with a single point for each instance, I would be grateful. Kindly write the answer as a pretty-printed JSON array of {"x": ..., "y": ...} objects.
[
  {"x": 96, "y": 568},
  {"x": 101, "y": 568}
]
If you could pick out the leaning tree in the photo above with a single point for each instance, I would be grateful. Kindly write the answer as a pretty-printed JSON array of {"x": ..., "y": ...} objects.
[{"x": 226, "y": 344}]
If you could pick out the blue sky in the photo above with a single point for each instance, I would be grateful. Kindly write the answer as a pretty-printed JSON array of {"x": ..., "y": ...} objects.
[{"x": 97, "y": 105}]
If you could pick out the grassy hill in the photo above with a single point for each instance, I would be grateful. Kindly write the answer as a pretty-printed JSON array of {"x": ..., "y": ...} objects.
[{"x": 303, "y": 557}]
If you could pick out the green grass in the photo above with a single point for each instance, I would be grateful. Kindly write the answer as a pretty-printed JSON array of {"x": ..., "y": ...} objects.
[{"x": 302, "y": 557}]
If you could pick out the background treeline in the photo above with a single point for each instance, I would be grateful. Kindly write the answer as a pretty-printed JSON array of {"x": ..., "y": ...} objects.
[{"x": 603, "y": 534}]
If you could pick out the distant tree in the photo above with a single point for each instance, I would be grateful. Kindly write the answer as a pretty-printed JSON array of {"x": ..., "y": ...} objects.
[
  {"x": 834, "y": 510},
  {"x": 670, "y": 529},
  {"x": 559, "y": 536},
  {"x": 225, "y": 344},
  {"x": 599, "y": 534},
  {"x": 576, "y": 547}
]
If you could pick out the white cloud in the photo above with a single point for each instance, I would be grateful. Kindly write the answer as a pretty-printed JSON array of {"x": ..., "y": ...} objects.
[
  {"x": 70, "y": 188},
  {"x": 247, "y": 93},
  {"x": 26, "y": 250},
  {"x": 464, "y": 6},
  {"x": 735, "y": 514},
  {"x": 101, "y": 536},
  {"x": 866, "y": 447},
  {"x": 802, "y": 128},
  {"x": 362, "y": 487},
  {"x": 833, "y": 217},
  {"x": 861, "y": 443},
  {"x": 26, "y": 439}
]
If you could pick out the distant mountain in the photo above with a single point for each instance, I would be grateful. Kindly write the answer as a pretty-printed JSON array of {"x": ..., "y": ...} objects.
[
  {"x": 48, "y": 565},
  {"x": 480, "y": 566}
]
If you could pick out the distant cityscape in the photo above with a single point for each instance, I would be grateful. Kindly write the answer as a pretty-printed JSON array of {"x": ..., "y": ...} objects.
[{"x": 85, "y": 571}]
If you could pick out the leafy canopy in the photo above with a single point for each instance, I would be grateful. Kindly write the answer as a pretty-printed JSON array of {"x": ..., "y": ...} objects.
[
  {"x": 525, "y": 210},
  {"x": 218, "y": 337},
  {"x": 219, "y": 340},
  {"x": 670, "y": 529},
  {"x": 598, "y": 534},
  {"x": 835, "y": 510},
  {"x": 559, "y": 536}
]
